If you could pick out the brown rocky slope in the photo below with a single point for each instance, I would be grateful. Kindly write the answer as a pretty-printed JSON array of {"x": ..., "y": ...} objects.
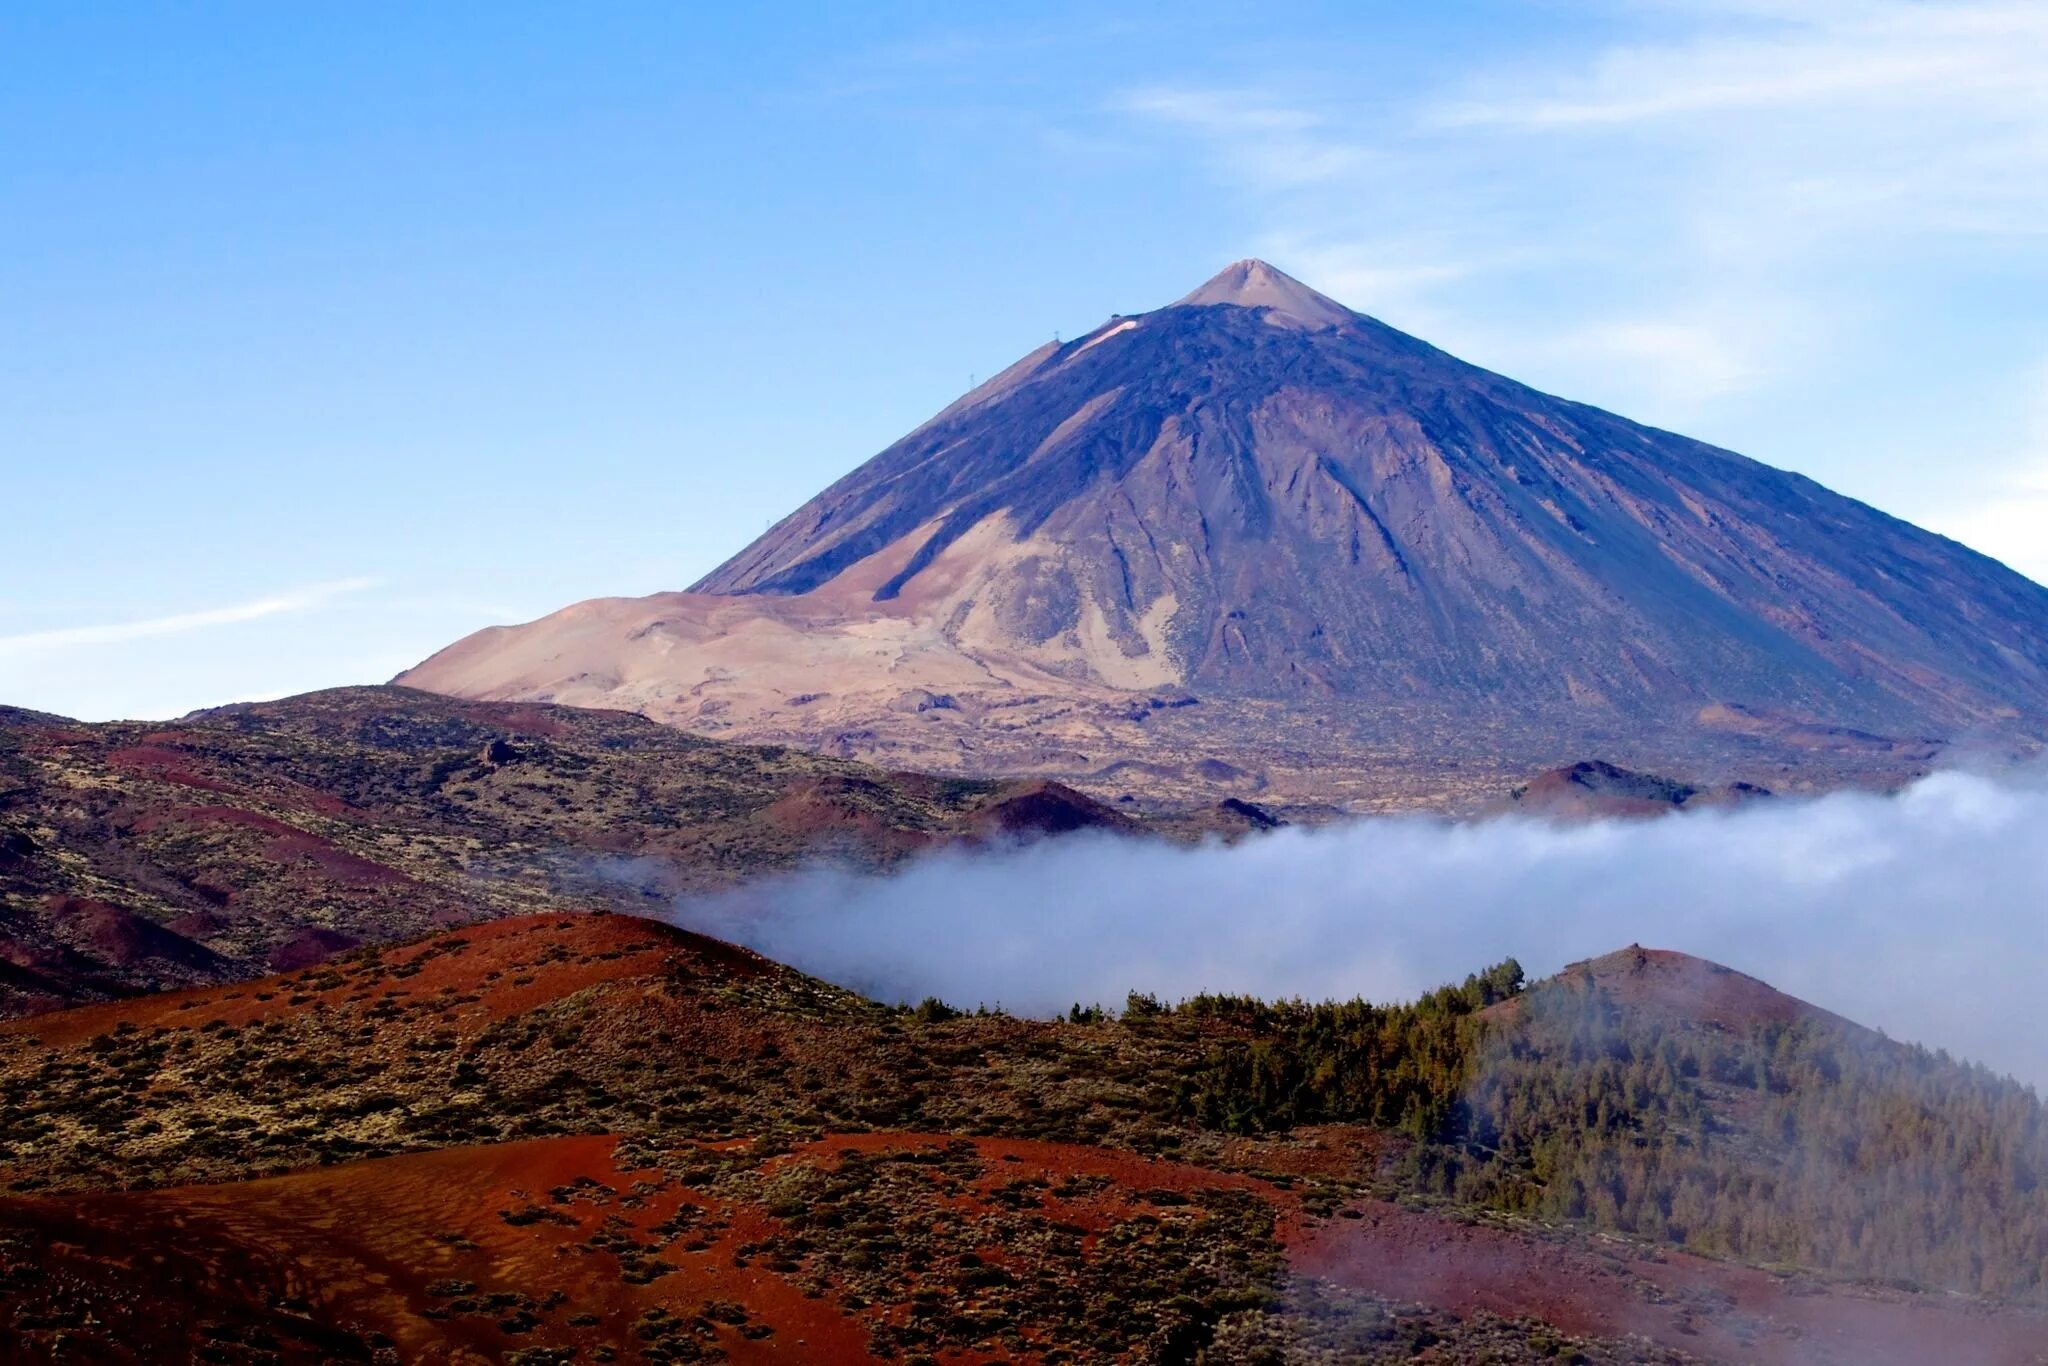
[{"x": 140, "y": 856}]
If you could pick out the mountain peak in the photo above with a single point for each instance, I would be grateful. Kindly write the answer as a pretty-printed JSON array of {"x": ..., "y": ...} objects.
[
  {"x": 1307, "y": 522},
  {"x": 1252, "y": 283}
]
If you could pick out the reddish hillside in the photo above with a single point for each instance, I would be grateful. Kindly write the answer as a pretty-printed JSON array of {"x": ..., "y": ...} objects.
[
  {"x": 1663, "y": 984},
  {"x": 1595, "y": 790},
  {"x": 1022, "y": 810},
  {"x": 467, "y": 978},
  {"x": 554, "y": 1132},
  {"x": 275, "y": 835},
  {"x": 465, "y": 1254}
]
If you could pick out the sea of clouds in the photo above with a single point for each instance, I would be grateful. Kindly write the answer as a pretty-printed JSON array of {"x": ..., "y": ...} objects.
[{"x": 1923, "y": 913}]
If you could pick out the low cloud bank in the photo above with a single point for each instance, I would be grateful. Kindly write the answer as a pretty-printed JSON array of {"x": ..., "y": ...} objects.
[{"x": 1924, "y": 914}]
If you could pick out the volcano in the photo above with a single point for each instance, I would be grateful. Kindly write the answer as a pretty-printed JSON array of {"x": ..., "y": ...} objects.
[{"x": 1255, "y": 540}]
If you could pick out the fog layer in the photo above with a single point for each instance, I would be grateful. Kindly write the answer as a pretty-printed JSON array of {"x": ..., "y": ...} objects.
[{"x": 1924, "y": 914}]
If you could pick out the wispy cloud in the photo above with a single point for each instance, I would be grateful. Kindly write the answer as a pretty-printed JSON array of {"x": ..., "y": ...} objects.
[
  {"x": 1700, "y": 214},
  {"x": 1790, "y": 55},
  {"x": 1866, "y": 120},
  {"x": 117, "y": 633},
  {"x": 1266, "y": 142}
]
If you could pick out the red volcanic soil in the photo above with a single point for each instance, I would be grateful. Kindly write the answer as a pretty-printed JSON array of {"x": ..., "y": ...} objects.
[
  {"x": 1047, "y": 808},
  {"x": 309, "y": 946},
  {"x": 287, "y": 843},
  {"x": 1343, "y": 1152},
  {"x": 1012, "y": 1159},
  {"x": 503, "y": 967},
  {"x": 125, "y": 938},
  {"x": 1662, "y": 982},
  {"x": 817, "y": 810},
  {"x": 841, "y": 804},
  {"x": 166, "y": 765},
  {"x": 526, "y": 718},
  {"x": 434, "y": 1255},
  {"x": 1713, "y": 1309},
  {"x": 1679, "y": 988},
  {"x": 162, "y": 757},
  {"x": 461, "y": 1255},
  {"x": 1596, "y": 790}
]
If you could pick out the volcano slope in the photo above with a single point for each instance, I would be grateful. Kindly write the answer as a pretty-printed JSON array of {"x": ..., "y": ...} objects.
[
  {"x": 589, "y": 1138},
  {"x": 273, "y": 835},
  {"x": 1257, "y": 541}
]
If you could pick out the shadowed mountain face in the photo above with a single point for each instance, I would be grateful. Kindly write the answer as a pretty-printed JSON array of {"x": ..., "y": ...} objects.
[
  {"x": 1332, "y": 505},
  {"x": 1256, "y": 494}
]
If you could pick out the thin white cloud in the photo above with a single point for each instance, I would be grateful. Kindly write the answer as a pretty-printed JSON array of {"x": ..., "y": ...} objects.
[
  {"x": 1936, "y": 113},
  {"x": 1791, "y": 120},
  {"x": 1725, "y": 214},
  {"x": 1267, "y": 142},
  {"x": 117, "y": 633},
  {"x": 1903, "y": 57}
]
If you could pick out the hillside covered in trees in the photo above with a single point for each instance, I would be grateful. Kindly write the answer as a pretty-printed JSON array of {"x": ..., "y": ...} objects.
[{"x": 1797, "y": 1138}]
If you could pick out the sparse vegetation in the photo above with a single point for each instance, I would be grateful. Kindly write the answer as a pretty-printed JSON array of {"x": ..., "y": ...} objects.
[
  {"x": 878, "y": 1160},
  {"x": 282, "y": 832},
  {"x": 746, "y": 1085}
]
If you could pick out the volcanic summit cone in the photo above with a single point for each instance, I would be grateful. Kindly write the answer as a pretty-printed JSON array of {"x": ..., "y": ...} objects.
[{"x": 1255, "y": 538}]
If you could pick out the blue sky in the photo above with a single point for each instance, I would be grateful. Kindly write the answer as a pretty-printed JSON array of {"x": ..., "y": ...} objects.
[{"x": 329, "y": 333}]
